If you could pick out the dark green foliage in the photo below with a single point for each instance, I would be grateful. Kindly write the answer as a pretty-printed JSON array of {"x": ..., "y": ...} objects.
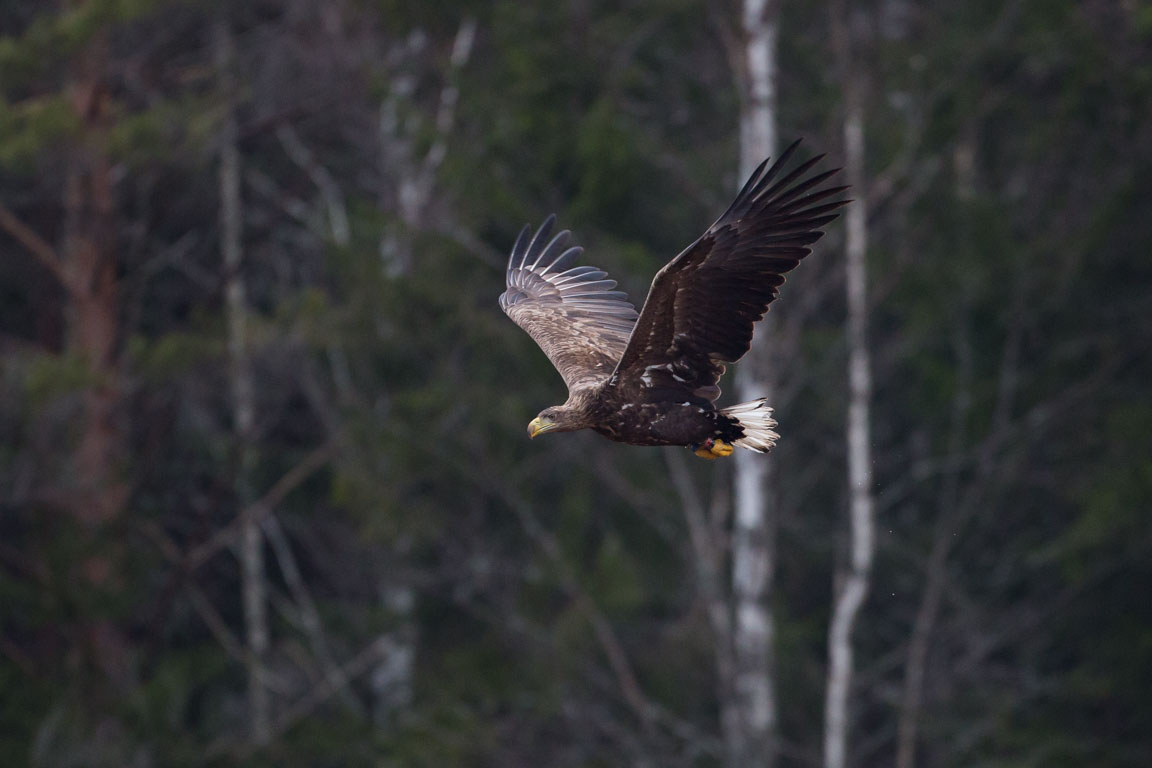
[{"x": 1010, "y": 272}]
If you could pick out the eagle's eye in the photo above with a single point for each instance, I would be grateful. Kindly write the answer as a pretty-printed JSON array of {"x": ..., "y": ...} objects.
[{"x": 545, "y": 422}]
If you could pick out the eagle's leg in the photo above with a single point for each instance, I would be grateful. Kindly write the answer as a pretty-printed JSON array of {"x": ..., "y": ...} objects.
[{"x": 712, "y": 449}]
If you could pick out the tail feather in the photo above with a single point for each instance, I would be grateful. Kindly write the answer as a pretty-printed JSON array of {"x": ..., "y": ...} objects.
[{"x": 755, "y": 418}]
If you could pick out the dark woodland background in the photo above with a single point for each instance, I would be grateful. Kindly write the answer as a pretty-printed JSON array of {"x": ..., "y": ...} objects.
[{"x": 266, "y": 496}]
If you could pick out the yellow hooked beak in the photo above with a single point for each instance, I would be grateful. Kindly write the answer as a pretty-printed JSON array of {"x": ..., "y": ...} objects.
[{"x": 538, "y": 425}]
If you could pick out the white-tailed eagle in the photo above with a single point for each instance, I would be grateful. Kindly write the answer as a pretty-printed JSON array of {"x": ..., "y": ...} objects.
[{"x": 651, "y": 378}]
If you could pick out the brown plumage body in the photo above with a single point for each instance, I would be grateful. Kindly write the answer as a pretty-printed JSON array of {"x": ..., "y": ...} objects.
[
  {"x": 650, "y": 378},
  {"x": 608, "y": 410}
]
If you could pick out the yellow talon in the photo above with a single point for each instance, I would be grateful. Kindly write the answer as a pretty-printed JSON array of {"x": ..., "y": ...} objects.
[{"x": 714, "y": 449}]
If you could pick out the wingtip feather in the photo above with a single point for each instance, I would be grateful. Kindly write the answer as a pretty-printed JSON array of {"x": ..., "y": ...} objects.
[{"x": 519, "y": 249}]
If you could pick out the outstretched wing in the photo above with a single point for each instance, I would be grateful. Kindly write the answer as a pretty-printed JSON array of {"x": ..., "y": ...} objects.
[
  {"x": 702, "y": 305},
  {"x": 572, "y": 313}
]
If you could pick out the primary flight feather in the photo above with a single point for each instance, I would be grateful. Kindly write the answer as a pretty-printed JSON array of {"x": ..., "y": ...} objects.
[{"x": 650, "y": 378}]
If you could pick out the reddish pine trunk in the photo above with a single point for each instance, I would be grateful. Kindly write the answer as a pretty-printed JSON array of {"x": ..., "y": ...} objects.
[{"x": 89, "y": 254}]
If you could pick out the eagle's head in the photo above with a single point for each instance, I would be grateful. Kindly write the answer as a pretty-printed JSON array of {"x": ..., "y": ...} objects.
[{"x": 558, "y": 418}]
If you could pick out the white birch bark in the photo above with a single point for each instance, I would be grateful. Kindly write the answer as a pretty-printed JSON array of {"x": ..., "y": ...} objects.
[
  {"x": 750, "y": 739},
  {"x": 414, "y": 182},
  {"x": 415, "y": 178},
  {"x": 852, "y": 582},
  {"x": 253, "y": 586}
]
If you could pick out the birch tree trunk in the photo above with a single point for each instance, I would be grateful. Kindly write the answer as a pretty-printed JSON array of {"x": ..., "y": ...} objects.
[
  {"x": 852, "y": 578},
  {"x": 414, "y": 178},
  {"x": 253, "y": 587},
  {"x": 750, "y": 725},
  {"x": 411, "y": 195}
]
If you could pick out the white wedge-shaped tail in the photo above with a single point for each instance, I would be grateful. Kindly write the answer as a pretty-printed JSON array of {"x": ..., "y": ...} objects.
[{"x": 756, "y": 419}]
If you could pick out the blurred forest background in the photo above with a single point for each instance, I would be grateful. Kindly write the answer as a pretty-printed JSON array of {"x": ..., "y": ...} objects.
[{"x": 266, "y": 496}]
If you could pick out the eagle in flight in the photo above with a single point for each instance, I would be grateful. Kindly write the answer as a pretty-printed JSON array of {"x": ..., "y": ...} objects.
[{"x": 650, "y": 378}]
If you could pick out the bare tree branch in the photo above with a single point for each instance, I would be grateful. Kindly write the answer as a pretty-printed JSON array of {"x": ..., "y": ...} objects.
[
  {"x": 355, "y": 667},
  {"x": 606, "y": 637},
  {"x": 708, "y": 537},
  {"x": 310, "y": 621},
  {"x": 262, "y": 507},
  {"x": 36, "y": 245},
  {"x": 212, "y": 619},
  {"x": 324, "y": 181}
]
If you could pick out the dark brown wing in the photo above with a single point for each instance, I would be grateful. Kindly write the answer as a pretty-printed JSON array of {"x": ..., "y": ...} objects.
[
  {"x": 702, "y": 305},
  {"x": 573, "y": 314}
]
